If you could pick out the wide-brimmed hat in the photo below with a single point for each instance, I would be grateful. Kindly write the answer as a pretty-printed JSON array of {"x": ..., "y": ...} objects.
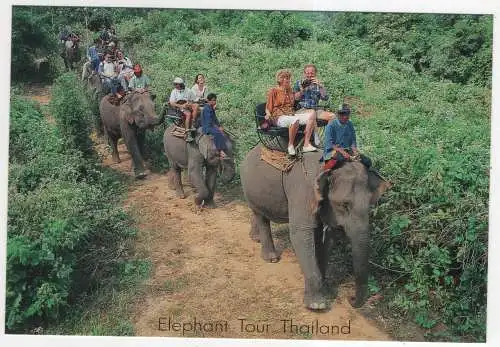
[{"x": 178, "y": 80}]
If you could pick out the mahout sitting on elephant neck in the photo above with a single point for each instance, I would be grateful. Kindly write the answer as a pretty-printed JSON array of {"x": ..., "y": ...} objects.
[
  {"x": 130, "y": 121},
  {"x": 202, "y": 161},
  {"x": 308, "y": 200}
]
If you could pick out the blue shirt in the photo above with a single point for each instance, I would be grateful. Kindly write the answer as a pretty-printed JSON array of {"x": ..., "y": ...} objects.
[
  {"x": 92, "y": 53},
  {"x": 338, "y": 134},
  {"x": 311, "y": 96},
  {"x": 208, "y": 119}
]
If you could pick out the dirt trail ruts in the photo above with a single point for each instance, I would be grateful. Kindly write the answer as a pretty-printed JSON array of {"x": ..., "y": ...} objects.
[{"x": 206, "y": 268}]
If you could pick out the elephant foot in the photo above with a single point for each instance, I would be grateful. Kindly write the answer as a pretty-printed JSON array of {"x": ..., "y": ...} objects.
[
  {"x": 315, "y": 302},
  {"x": 180, "y": 194},
  {"x": 254, "y": 237},
  {"x": 199, "y": 202},
  {"x": 211, "y": 204},
  {"x": 356, "y": 303},
  {"x": 358, "y": 300},
  {"x": 140, "y": 175},
  {"x": 270, "y": 257}
]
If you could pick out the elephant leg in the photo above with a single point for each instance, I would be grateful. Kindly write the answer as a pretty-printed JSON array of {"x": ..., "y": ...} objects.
[
  {"x": 114, "y": 149},
  {"x": 195, "y": 165},
  {"x": 130, "y": 137},
  {"x": 141, "y": 139},
  {"x": 302, "y": 230},
  {"x": 175, "y": 181},
  {"x": 324, "y": 242},
  {"x": 359, "y": 244},
  {"x": 267, "y": 251},
  {"x": 113, "y": 143},
  {"x": 254, "y": 230},
  {"x": 210, "y": 182},
  {"x": 99, "y": 126}
]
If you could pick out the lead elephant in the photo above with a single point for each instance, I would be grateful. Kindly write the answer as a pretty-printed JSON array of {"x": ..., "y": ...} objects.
[
  {"x": 187, "y": 155},
  {"x": 314, "y": 203},
  {"x": 95, "y": 92},
  {"x": 130, "y": 121}
]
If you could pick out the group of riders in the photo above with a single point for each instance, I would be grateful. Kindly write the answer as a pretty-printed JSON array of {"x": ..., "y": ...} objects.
[
  {"x": 287, "y": 105},
  {"x": 292, "y": 106}
]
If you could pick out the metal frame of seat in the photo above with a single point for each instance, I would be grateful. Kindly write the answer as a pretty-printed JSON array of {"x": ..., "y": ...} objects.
[{"x": 276, "y": 138}]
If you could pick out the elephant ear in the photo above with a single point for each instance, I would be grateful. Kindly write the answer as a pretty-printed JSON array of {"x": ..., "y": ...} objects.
[
  {"x": 377, "y": 185},
  {"x": 321, "y": 189}
]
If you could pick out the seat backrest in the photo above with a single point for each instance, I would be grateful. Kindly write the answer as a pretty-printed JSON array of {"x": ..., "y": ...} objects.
[
  {"x": 260, "y": 110},
  {"x": 260, "y": 114}
]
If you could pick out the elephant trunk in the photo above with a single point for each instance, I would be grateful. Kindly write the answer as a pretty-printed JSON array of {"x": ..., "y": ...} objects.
[
  {"x": 360, "y": 237},
  {"x": 228, "y": 170},
  {"x": 157, "y": 120}
]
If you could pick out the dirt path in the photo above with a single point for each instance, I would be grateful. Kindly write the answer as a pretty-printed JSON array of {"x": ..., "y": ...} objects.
[{"x": 205, "y": 268}]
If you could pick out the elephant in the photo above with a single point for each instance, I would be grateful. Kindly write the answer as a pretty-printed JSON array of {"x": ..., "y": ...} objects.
[
  {"x": 316, "y": 204},
  {"x": 129, "y": 120},
  {"x": 182, "y": 155},
  {"x": 95, "y": 93},
  {"x": 71, "y": 54}
]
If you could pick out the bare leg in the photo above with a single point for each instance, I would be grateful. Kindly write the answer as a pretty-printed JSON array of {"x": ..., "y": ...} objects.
[
  {"x": 310, "y": 126},
  {"x": 328, "y": 116},
  {"x": 292, "y": 132}
]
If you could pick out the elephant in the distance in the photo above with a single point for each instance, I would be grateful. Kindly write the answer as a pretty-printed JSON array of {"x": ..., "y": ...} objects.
[
  {"x": 95, "y": 93},
  {"x": 129, "y": 120},
  {"x": 71, "y": 54},
  {"x": 315, "y": 204},
  {"x": 202, "y": 161}
]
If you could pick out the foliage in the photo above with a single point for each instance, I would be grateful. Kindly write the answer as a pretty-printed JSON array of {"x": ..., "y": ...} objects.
[
  {"x": 65, "y": 234},
  {"x": 277, "y": 28},
  {"x": 70, "y": 109},
  {"x": 453, "y": 47},
  {"x": 31, "y": 39}
]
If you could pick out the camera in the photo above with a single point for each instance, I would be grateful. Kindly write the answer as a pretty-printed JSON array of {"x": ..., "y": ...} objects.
[{"x": 306, "y": 83}]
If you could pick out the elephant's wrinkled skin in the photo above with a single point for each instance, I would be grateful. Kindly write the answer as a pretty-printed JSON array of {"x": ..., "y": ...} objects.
[
  {"x": 182, "y": 155},
  {"x": 308, "y": 200},
  {"x": 130, "y": 121}
]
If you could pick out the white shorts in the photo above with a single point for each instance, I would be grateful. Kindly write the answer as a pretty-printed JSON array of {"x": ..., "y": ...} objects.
[{"x": 285, "y": 121}]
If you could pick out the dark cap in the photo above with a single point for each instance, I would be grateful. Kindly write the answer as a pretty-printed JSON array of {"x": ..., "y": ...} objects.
[{"x": 344, "y": 109}]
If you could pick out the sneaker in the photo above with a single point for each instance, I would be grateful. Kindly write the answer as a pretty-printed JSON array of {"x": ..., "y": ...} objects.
[
  {"x": 309, "y": 148},
  {"x": 317, "y": 140},
  {"x": 291, "y": 150}
]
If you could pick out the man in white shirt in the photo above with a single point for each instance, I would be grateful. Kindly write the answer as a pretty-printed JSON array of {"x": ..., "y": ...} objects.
[
  {"x": 183, "y": 99},
  {"x": 108, "y": 73}
]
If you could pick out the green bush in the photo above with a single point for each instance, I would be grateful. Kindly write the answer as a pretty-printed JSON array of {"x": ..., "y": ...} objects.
[
  {"x": 280, "y": 29},
  {"x": 71, "y": 110},
  {"x": 65, "y": 234}
]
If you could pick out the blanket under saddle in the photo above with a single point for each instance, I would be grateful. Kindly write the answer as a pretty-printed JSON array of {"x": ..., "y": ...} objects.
[{"x": 277, "y": 159}]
